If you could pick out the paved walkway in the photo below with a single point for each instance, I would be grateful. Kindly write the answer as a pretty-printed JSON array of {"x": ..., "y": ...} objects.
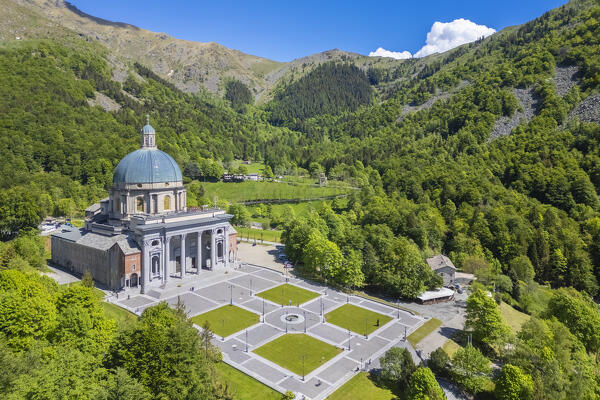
[
  {"x": 212, "y": 289},
  {"x": 263, "y": 255},
  {"x": 60, "y": 276}
]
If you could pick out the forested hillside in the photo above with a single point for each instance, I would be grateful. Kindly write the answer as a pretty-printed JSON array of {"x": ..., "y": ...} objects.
[
  {"x": 330, "y": 88},
  {"x": 489, "y": 153}
]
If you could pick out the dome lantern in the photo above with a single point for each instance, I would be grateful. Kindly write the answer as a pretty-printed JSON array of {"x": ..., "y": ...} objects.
[{"x": 148, "y": 135}]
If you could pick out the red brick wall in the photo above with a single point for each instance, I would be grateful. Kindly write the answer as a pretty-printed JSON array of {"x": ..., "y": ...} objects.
[
  {"x": 132, "y": 260},
  {"x": 233, "y": 242}
]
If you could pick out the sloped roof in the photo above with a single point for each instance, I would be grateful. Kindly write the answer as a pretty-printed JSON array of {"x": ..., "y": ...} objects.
[{"x": 439, "y": 261}]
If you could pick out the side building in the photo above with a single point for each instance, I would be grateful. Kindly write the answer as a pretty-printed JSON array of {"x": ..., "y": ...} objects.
[{"x": 143, "y": 234}]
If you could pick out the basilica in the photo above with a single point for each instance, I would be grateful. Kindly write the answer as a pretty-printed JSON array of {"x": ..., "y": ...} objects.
[{"x": 143, "y": 234}]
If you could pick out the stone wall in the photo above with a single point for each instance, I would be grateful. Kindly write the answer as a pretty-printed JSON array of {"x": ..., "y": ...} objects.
[{"x": 104, "y": 265}]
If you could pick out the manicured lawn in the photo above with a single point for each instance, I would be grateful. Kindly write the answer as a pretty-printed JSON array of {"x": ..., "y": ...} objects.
[
  {"x": 244, "y": 387},
  {"x": 514, "y": 318},
  {"x": 287, "y": 351},
  {"x": 423, "y": 331},
  {"x": 450, "y": 347},
  {"x": 236, "y": 192},
  {"x": 227, "y": 320},
  {"x": 361, "y": 387},
  {"x": 357, "y": 319},
  {"x": 259, "y": 234},
  {"x": 282, "y": 294},
  {"x": 123, "y": 317}
]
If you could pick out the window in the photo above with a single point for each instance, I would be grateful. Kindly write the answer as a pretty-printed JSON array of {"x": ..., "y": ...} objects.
[
  {"x": 140, "y": 204},
  {"x": 155, "y": 243},
  {"x": 117, "y": 205},
  {"x": 133, "y": 267},
  {"x": 167, "y": 203}
]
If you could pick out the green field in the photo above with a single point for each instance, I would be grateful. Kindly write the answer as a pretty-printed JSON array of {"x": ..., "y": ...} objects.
[
  {"x": 244, "y": 387},
  {"x": 361, "y": 387},
  {"x": 254, "y": 168},
  {"x": 258, "y": 234},
  {"x": 282, "y": 294},
  {"x": 450, "y": 347},
  {"x": 513, "y": 318},
  {"x": 287, "y": 351},
  {"x": 357, "y": 319},
  {"x": 236, "y": 192},
  {"x": 226, "y": 320},
  {"x": 122, "y": 317},
  {"x": 423, "y": 331}
]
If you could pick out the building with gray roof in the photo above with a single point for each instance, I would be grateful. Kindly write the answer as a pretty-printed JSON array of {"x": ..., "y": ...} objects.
[
  {"x": 143, "y": 233},
  {"x": 444, "y": 267}
]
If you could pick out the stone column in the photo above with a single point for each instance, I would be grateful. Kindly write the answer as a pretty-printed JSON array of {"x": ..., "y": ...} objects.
[
  {"x": 182, "y": 255},
  {"x": 213, "y": 248},
  {"x": 167, "y": 257},
  {"x": 226, "y": 246},
  {"x": 199, "y": 253},
  {"x": 144, "y": 270}
]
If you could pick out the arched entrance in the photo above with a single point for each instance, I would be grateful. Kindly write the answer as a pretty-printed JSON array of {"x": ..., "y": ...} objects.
[
  {"x": 133, "y": 280},
  {"x": 220, "y": 250},
  {"x": 155, "y": 267}
]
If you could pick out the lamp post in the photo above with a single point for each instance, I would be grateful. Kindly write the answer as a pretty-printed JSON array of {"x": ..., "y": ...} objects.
[
  {"x": 349, "y": 337},
  {"x": 250, "y": 286},
  {"x": 302, "y": 366},
  {"x": 230, "y": 295},
  {"x": 246, "y": 340},
  {"x": 366, "y": 335},
  {"x": 263, "y": 316},
  {"x": 321, "y": 307},
  {"x": 304, "y": 321},
  {"x": 222, "y": 330},
  {"x": 398, "y": 307}
]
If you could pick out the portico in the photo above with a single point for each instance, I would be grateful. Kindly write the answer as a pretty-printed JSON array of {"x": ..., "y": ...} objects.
[{"x": 182, "y": 243}]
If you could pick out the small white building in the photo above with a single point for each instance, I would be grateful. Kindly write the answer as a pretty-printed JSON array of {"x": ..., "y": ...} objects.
[
  {"x": 442, "y": 266},
  {"x": 436, "y": 296}
]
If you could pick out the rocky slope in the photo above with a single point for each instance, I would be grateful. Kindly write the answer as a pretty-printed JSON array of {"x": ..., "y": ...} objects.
[{"x": 189, "y": 65}]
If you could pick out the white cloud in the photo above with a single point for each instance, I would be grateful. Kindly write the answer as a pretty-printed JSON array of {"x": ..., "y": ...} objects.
[
  {"x": 381, "y": 52},
  {"x": 443, "y": 36}
]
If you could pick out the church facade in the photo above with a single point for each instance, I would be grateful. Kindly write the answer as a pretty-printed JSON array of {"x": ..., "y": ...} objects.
[{"x": 143, "y": 234}]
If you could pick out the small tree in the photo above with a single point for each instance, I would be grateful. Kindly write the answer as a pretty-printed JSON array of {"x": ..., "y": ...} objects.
[
  {"x": 484, "y": 319},
  {"x": 240, "y": 213},
  {"x": 87, "y": 280},
  {"x": 513, "y": 384},
  {"x": 206, "y": 335},
  {"x": 471, "y": 369},
  {"x": 289, "y": 395},
  {"x": 439, "y": 362},
  {"x": 396, "y": 366},
  {"x": 423, "y": 386}
]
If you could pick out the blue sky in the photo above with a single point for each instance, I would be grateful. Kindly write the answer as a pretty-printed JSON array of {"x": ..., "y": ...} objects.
[{"x": 284, "y": 30}]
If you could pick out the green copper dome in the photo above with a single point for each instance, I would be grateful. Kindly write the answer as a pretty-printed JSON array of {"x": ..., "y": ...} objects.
[{"x": 147, "y": 165}]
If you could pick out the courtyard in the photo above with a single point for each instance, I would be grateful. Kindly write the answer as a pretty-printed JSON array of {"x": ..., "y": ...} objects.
[{"x": 286, "y": 332}]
